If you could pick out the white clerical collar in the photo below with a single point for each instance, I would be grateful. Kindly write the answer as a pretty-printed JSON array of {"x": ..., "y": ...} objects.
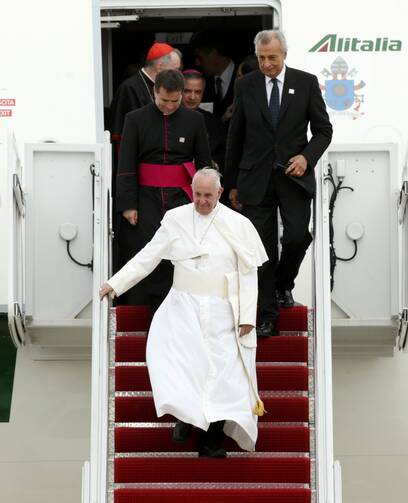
[
  {"x": 280, "y": 78},
  {"x": 147, "y": 75}
]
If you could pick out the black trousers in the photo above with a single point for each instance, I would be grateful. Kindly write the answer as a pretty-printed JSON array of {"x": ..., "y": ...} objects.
[
  {"x": 295, "y": 207},
  {"x": 153, "y": 204}
]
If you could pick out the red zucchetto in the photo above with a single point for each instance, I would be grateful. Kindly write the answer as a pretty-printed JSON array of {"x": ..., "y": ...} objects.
[{"x": 157, "y": 50}]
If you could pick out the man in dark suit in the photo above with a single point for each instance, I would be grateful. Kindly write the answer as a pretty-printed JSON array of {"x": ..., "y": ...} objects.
[
  {"x": 194, "y": 85},
  {"x": 269, "y": 165},
  {"x": 212, "y": 55}
]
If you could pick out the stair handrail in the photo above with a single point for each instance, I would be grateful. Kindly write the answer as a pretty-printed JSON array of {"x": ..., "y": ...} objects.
[
  {"x": 100, "y": 330},
  {"x": 325, "y": 476},
  {"x": 402, "y": 330},
  {"x": 16, "y": 224}
]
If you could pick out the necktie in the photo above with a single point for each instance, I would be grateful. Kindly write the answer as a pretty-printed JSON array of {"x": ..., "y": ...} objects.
[
  {"x": 218, "y": 89},
  {"x": 274, "y": 103}
]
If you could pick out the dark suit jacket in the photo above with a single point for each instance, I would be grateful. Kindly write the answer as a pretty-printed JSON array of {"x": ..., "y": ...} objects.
[
  {"x": 254, "y": 148},
  {"x": 209, "y": 94},
  {"x": 217, "y": 137}
]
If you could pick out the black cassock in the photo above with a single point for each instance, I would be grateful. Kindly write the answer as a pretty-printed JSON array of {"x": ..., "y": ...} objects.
[
  {"x": 153, "y": 138},
  {"x": 133, "y": 93}
]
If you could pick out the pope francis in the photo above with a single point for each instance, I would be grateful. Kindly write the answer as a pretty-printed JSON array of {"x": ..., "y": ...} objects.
[{"x": 202, "y": 341}]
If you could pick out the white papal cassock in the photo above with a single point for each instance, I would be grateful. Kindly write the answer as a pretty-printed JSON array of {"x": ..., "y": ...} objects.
[{"x": 200, "y": 370}]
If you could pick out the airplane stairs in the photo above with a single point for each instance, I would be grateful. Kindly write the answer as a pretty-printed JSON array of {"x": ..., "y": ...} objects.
[{"x": 145, "y": 466}]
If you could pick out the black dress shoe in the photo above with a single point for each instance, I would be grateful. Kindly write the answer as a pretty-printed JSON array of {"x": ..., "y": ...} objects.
[
  {"x": 209, "y": 441},
  {"x": 211, "y": 451},
  {"x": 181, "y": 431},
  {"x": 285, "y": 298},
  {"x": 267, "y": 329}
]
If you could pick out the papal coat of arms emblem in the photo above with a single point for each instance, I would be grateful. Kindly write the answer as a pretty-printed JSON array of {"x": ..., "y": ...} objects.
[{"x": 341, "y": 91}]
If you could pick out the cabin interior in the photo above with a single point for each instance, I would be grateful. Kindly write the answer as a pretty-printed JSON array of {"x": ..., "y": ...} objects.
[{"x": 124, "y": 44}]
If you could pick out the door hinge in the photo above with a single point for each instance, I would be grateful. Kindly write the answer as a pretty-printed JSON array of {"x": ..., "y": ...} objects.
[
  {"x": 402, "y": 333},
  {"x": 18, "y": 195},
  {"x": 402, "y": 202}
]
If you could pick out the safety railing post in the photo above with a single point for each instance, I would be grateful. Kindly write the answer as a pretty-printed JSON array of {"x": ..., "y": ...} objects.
[
  {"x": 323, "y": 349},
  {"x": 100, "y": 327}
]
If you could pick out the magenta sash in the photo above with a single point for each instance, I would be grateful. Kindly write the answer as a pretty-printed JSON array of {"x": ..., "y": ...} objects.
[{"x": 167, "y": 175}]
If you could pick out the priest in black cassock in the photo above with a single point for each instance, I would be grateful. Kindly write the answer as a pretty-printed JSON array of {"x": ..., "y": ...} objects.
[
  {"x": 137, "y": 90},
  {"x": 162, "y": 146},
  {"x": 194, "y": 86}
]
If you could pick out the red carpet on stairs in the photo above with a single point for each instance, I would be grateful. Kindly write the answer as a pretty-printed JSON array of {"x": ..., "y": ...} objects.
[
  {"x": 215, "y": 495},
  {"x": 270, "y": 377},
  {"x": 149, "y": 468}
]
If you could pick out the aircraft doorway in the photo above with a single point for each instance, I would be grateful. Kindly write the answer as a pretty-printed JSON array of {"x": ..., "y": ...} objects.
[{"x": 125, "y": 43}]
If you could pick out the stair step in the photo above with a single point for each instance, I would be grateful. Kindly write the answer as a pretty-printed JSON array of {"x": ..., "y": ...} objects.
[
  {"x": 244, "y": 468},
  {"x": 281, "y": 408},
  {"x": 149, "y": 467},
  {"x": 187, "y": 494},
  {"x": 270, "y": 377},
  {"x": 271, "y": 437},
  {"x": 290, "y": 347},
  {"x": 287, "y": 347},
  {"x": 137, "y": 318},
  {"x": 132, "y": 318}
]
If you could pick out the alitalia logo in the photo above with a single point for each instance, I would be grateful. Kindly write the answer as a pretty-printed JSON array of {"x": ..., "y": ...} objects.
[{"x": 334, "y": 43}]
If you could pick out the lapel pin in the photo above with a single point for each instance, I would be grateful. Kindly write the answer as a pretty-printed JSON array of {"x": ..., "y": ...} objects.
[{"x": 291, "y": 91}]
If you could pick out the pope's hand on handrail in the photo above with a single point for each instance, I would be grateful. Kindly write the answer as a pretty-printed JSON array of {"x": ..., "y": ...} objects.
[{"x": 105, "y": 289}]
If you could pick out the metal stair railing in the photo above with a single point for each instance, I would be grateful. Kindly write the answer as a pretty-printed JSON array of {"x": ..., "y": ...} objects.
[
  {"x": 402, "y": 332},
  {"x": 16, "y": 226},
  {"x": 94, "y": 488},
  {"x": 328, "y": 474}
]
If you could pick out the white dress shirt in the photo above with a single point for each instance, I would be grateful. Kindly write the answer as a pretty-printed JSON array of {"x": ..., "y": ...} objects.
[{"x": 269, "y": 84}]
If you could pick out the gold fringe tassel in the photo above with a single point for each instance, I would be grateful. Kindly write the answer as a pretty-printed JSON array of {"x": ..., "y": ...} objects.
[{"x": 259, "y": 409}]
